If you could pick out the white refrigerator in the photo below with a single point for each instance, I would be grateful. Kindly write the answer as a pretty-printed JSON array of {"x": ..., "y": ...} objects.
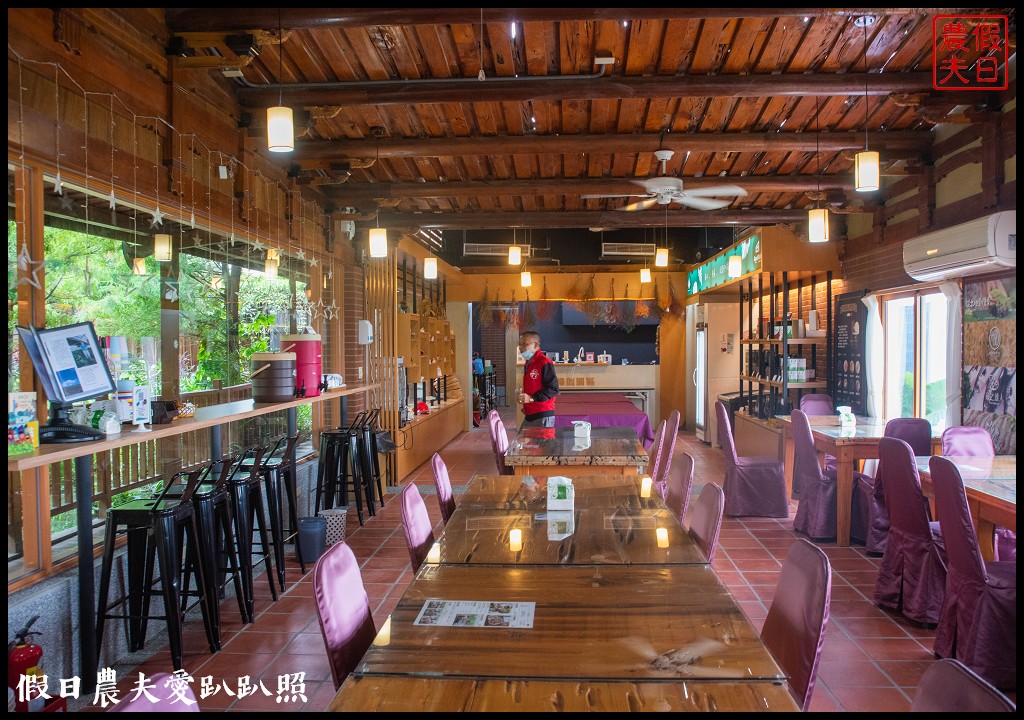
[{"x": 713, "y": 365}]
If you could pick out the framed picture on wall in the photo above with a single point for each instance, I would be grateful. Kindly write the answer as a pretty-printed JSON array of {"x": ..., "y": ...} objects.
[{"x": 590, "y": 357}]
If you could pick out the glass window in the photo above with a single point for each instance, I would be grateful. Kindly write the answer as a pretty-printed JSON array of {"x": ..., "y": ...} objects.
[{"x": 915, "y": 355}]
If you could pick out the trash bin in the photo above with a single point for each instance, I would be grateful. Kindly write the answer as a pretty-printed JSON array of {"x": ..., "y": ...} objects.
[{"x": 312, "y": 538}]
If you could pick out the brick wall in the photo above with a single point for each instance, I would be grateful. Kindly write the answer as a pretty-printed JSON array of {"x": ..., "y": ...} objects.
[{"x": 875, "y": 267}]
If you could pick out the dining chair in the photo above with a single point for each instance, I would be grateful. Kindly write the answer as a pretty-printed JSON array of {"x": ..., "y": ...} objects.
[
  {"x": 869, "y": 496},
  {"x": 166, "y": 694},
  {"x": 816, "y": 513},
  {"x": 912, "y": 575},
  {"x": 343, "y": 609},
  {"x": 419, "y": 535},
  {"x": 706, "y": 519},
  {"x": 978, "y": 620},
  {"x": 678, "y": 483},
  {"x": 499, "y": 441},
  {"x": 754, "y": 486},
  {"x": 668, "y": 451},
  {"x": 794, "y": 629},
  {"x": 654, "y": 451},
  {"x": 975, "y": 441},
  {"x": 820, "y": 405},
  {"x": 950, "y": 686},
  {"x": 443, "y": 484}
]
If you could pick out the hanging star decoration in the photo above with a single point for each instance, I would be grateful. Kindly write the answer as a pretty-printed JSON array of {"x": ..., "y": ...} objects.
[
  {"x": 313, "y": 261},
  {"x": 192, "y": 220},
  {"x": 257, "y": 246},
  {"x": 300, "y": 255},
  {"x": 30, "y": 267},
  {"x": 58, "y": 185},
  {"x": 158, "y": 218},
  {"x": 330, "y": 274},
  {"x": 331, "y": 311},
  {"x": 111, "y": 200},
  {"x": 66, "y": 203}
]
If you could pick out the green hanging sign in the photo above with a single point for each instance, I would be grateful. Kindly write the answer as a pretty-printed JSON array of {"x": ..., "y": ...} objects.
[{"x": 715, "y": 271}]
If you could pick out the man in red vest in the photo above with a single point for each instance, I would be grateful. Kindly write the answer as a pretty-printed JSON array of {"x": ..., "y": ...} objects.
[{"x": 540, "y": 384}]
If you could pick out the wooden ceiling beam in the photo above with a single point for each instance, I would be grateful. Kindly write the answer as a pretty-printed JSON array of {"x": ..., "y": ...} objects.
[
  {"x": 557, "y": 89},
  {"x": 910, "y": 143},
  {"x": 410, "y": 222},
  {"x": 249, "y": 18},
  {"x": 354, "y": 194}
]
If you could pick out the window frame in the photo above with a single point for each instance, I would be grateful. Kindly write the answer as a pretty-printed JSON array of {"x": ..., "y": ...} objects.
[{"x": 917, "y": 293}]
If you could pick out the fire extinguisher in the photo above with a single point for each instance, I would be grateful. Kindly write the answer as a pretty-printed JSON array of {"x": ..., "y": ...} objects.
[{"x": 24, "y": 658}]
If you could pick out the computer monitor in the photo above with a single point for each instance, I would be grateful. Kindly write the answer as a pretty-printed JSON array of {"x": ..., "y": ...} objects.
[{"x": 71, "y": 368}]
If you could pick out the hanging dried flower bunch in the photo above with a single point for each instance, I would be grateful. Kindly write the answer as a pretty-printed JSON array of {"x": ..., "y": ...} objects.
[
  {"x": 500, "y": 314},
  {"x": 590, "y": 306},
  {"x": 642, "y": 308},
  {"x": 675, "y": 303},
  {"x": 663, "y": 300},
  {"x": 628, "y": 320},
  {"x": 545, "y": 308},
  {"x": 486, "y": 308},
  {"x": 527, "y": 317},
  {"x": 611, "y": 308},
  {"x": 575, "y": 294}
]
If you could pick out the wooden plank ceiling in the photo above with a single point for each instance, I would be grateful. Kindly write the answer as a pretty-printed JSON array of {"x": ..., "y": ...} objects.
[{"x": 459, "y": 120}]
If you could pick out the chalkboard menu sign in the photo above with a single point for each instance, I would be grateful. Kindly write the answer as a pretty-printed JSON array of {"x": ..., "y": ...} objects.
[{"x": 849, "y": 369}]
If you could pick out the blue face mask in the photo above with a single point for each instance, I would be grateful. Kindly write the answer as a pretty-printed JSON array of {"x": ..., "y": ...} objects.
[{"x": 527, "y": 354}]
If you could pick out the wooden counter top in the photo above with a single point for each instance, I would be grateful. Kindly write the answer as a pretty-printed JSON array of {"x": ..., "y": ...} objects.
[{"x": 205, "y": 417}]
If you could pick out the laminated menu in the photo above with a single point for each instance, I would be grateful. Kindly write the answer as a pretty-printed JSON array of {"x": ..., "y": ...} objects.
[{"x": 476, "y": 613}]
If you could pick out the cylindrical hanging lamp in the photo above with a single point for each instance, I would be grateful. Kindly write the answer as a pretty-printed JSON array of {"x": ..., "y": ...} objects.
[
  {"x": 378, "y": 242},
  {"x": 661, "y": 257},
  {"x": 645, "y": 275},
  {"x": 515, "y": 254},
  {"x": 525, "y": 278},
  {"x": 430, "y": 268},
  {"x": 162, "y": 247},
  {"x": 817, "y": 225},
  {"x": 735, "y": 266}
]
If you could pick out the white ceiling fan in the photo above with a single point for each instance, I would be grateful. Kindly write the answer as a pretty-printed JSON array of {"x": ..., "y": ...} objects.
[{"x": 666, "y": 190}]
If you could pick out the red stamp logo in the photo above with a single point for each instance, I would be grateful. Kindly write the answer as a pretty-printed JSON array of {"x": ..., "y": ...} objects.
[{"x": 970, "y": 52}]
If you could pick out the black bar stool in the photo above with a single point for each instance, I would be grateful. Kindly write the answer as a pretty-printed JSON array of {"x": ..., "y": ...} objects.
[
  {"x": 154, "y": 526},
  {"x": 370, "y": 453},
  {"x": 278, "y": 468},
  {"x": 340, "y": 465},
  {"x": 250, "y": 517},
  {"x": 217, "y": 550}
]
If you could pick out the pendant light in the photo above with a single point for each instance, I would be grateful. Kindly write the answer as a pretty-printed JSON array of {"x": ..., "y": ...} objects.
[
  {"x": 735, "y": 266},
  {"x": 139, "y": 266},
  {"x": 817, "y": 218},
  {"x": 525, "y": 278},
  {"x": 430, "y": 268},
  {"x": 280, "y": 123},
  {"x": 866, "y": 165},
  {"x": 645, "y": 275},
  {"x": 378, "y": 235},
  {"x": 661, "y": 254},
  {"x": 515, "y": 254},
  {"x": 162, "y": 247}
]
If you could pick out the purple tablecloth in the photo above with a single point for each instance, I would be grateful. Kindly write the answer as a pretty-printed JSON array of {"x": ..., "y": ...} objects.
[{"x": 603, "y": 410}]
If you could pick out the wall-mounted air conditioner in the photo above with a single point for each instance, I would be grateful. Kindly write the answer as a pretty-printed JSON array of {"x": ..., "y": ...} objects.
[
  {"x": 623, "y": 249},
  {"x": 980, "y": 246},
  {"x": 491, "y": 249}
]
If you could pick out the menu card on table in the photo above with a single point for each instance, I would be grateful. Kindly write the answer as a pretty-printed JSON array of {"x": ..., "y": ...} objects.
[{"x": 476, "y": 613}]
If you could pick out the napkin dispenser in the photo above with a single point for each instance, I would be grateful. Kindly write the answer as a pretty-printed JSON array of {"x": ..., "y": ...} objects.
[
  {"x": 846, "y": 417},
  {"x": 561, "y": 495},
  {"x": 581, "y": 428},
  {"x": 561, "y": 524}
]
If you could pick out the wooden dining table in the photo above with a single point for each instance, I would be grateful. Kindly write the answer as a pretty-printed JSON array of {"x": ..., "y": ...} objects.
[
  {"x": 991, "y": 487},
  {"x": 848, "y": 445},
  {"x": 550, "y": 451},
  {"x": 620, "y": 622},
  {"x": 383, "y": 693}
]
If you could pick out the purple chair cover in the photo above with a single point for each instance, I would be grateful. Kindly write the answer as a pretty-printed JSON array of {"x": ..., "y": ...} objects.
[
  {"x": 172, "y": 695},
  {"x": 819, "y": 404},
  {"x": 869, "y": 498},
  {"x": 794, "y": 630},
  {"x": 706, "y": 519},
  {"x": 978, "y": 621},
  {"x": 816, "y": 513},
  {"x": 443, "y": 485},
  {"x": 950, "y": 686},
  {"x": 654, "y": 451},
  {"x": 912, "y": 574},
  {"x": 975, "y": 441},
  {"x": 679, "y": 480},
  {"x": 668, "y": 451},
  {"x": 499, "y": 441},
  {"x": 419, "y": 535},
  {"x": 343, "y": 609},
  {"x": 754, "y": 486}
]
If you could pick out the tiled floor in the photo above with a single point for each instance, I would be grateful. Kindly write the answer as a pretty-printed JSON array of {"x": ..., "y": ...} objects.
[{"x": 872, "y": 659}]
